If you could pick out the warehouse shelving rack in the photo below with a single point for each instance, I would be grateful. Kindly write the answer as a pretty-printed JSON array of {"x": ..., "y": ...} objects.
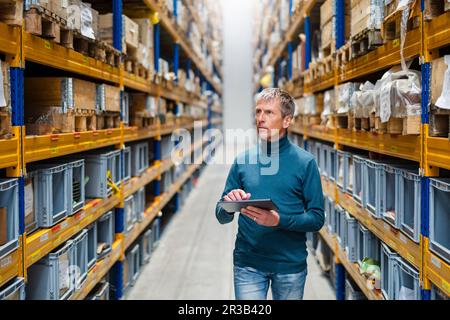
[
  {"x": 19, "y": 46},
  {"x": 431, "y": 152}
]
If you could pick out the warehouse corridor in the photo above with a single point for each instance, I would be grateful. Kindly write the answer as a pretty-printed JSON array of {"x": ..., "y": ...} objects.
[{"x": 194, "y": 257}]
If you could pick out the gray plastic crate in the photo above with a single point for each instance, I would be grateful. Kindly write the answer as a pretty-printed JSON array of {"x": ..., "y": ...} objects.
[
  {"x": 156, "y": 224},
  {"x": 51, "y": 277},
  {"x": 98, "y": 164},
  {"x": 76, "y": 193},
  {"x": 13, "y": 290},
  {"x": 389, "y": 198},
  {"x": 388, "y": 262},
  {"x": 129, "y": 212},
  {"x": 139, "y": 204},
  {"x": 146, "y": 245},
  {"x": 139, "y": 158},
  {"x": 331, "y": 163},
  {"x": 126, "y": 108},
  {"x": 127, "y": 163},
  {"x": 437, "y": 294},
  {"x": 440, "y": 217},
  {"x": 100, "y": 292},
  {"x": 351, "y": 239},
  {"x": 9, "y": 216},
  {"x": 349, "y": 178},
  {"x": 406, "y": 283},
  {"x": 134, "y": 264},
  {"x": 105, "y": 234},
  {"x": 372, "y": 187},
  {"x": 51, "y": 192},
  {"x": 126, "y": 272},
  {"x": 327, "y": 211},
  {"x": 92, "y": 244},
  {"x": 368, "y": 245},
  {"x": 409, "y": 200},
  {"x": 323, "y": 159},
  {"x": 166, "y": 146},
  {"x": 358, "y": 179},
  {"x": 341, "y": 169},
  {"x": 80, "y": 244},
  {"x": 31, "y": 222},
  {"x": 341, "y": 230},
  {"x": 352, "y": 291}
]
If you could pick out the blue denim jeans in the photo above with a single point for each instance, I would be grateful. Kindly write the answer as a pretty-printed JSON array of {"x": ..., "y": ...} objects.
[{"x": 252, "y": 284}]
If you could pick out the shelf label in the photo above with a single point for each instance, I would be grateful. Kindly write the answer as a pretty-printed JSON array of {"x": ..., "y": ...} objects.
[
  {"x": 6, "y": 262},
  {"x": 53, "y": 150},
  {"x": 436, "y": 262},
  {"x": 47, "y": 45},
  {"x": 395, "y": 43},
  {"x": 64, "y": 225},
  {"x": 445, "y": 285},
  {"x": 85, "y": 60},
  {"x": 44, "y": 238}
]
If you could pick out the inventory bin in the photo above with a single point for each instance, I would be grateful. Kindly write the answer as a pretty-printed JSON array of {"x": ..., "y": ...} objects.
[
  {"x": 133, "y": 262},
  {"x": 437, "y": 294},
  {"x": 105, "y": 234},
  {"x": 341, "y": 231},
  {"x": 358, "y": 179},
  {"x": 139, "y": 204},
  {"x": 349, "y": 178},
  {"x": 352, "y": 291},
  {"x": 327, "y": 213},
  {"x": 126, "y": 272},
  {"x": 76, "y": 194},
  {"x": 372, "y": 187},
  {"x": 323, "y": 159},
  {"x": 388, "y": 262},
  {"x": 50, "y": 278},
  {"x": 127, "y": 163},
  {"x": 440, "y": 217},
  {"x": 50, "y": 193},
  {"x": 129, "y": 212},
  {"x": 139, "y": 158},
  {"x": 99, "y": 165},
  {"x": 80, "y": 244},
  {"x": 166, "y": 147},
  {"x": 389, "y": 197},
  {"x": 331, "y": 163},
  {"x": 92, "y": 244},
  {"x": 9, "y": 216},
  {"x": 351, "y": 242},
  {"x": 31, "y": 223},
  {"x": 409, "y": 200},
  {"x": 341, "y": 169},
  {"x": 100, "y": 292},
  {"x": 368, "y": 245},
  {"x": 13, "y": 290},
  {"x": 406, "y": 283},
  {"x": 146, "y": 246},
  {"x": 156, "y": 224}
]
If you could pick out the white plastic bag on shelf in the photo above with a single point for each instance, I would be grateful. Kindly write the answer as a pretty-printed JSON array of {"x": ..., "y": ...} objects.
[
  {"x": 443, "y": 101},
  {"x": 362, "y": 101},
  {"x": 400, "y": 94},
  {"x": 345, "y": 92}
]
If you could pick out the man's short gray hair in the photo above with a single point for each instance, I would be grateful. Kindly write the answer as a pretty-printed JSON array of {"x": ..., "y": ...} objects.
[{"x": 287, "y": 103}]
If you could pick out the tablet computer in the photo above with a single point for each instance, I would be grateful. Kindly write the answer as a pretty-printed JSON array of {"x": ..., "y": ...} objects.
[{"x": 236, "y": 206}]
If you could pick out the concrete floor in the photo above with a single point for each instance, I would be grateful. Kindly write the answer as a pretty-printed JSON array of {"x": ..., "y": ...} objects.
[{"x": 194, "y": 258}]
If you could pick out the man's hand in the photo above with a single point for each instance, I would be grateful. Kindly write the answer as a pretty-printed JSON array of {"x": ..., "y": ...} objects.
[
  {"x": 261, "y": 216},
  {"x": 237, "y": 195}
]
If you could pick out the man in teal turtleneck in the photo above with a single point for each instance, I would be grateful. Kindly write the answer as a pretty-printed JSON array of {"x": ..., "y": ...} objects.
[{"x": 270, "y": 248}]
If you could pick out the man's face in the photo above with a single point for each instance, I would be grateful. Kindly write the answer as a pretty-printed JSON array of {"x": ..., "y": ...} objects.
[{"x": 270, "y": 122}]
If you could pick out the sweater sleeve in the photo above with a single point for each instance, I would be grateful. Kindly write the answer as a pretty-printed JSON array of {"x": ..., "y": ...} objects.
[
  {"x": 233, "y": 182},
  {"x": 313, "y": 218}
]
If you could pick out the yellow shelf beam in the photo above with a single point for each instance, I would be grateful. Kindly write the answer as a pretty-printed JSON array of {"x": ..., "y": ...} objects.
[
  {"x": 176, "y": 33},
  {"x": 438, "y": 272},
  {"x": 438, "y": 31},
  {"x": 438, "y": 152},
  {"x": 8, "y": 38},
  {"x": 48, "y": 53},
  {"x": 10, "y": 266},
  {"x": 8, "y": 155},
  {"x": 44, "y": 241},
  {"x": 351, "y": 268}
]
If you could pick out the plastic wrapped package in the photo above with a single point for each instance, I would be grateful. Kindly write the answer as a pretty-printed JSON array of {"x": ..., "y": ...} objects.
[
  {"x": 310, "y": 105},
  {"x": 345, "y": 92},
  {"x": 367, "y": 99},
  {"x": 328, "y": 104},
  {"x": 400, "y": 94}
]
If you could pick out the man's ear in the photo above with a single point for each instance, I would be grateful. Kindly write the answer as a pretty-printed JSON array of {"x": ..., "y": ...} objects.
[{"x": 287, "y": 122}]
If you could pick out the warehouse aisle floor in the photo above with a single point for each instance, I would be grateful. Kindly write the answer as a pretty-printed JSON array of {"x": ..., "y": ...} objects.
[{"x": 194, "y": 256}]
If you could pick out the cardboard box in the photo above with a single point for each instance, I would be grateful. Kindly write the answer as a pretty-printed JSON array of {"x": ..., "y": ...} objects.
[
  {"x": 327, "y": 33},
  {"x": 145, "y": 32},
  {"x": 11, "y": 12},
  {"x": 366, "y": 14},
  {"x": 108, "y": 98},
  {"x": 64, "y": 93},
  {"x": 438, "y": 75},
  {"x": 130, "y": 35},
  {"x": 83, "y": 19},
  {"x": 327, "y": 11},
  {"x": 59, "y": 7}
]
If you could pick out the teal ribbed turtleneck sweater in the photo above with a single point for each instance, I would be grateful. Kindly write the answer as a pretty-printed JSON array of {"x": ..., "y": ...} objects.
[{"x": 295, "y": 189}]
